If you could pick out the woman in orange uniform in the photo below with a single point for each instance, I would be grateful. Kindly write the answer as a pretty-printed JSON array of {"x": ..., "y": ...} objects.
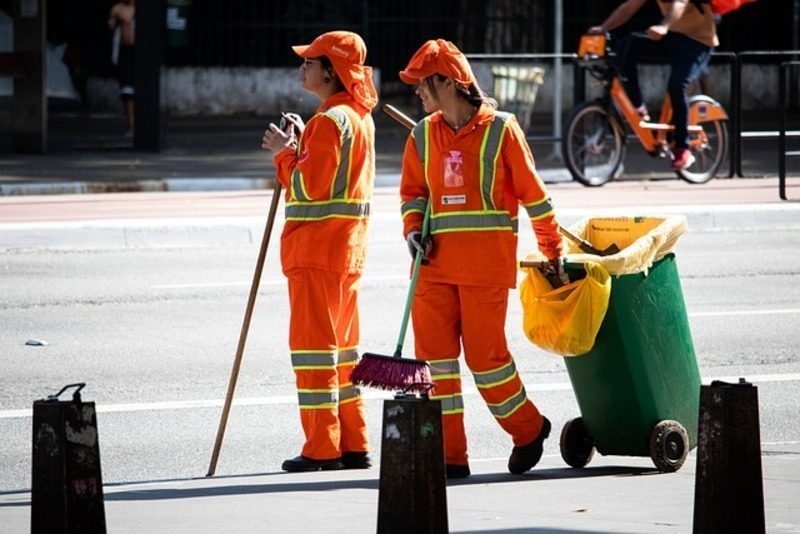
[
  {"x": 328, "y": 172},
  {"x": 473, "y": 166}
]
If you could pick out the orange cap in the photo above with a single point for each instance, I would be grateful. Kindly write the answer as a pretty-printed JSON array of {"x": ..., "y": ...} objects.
[
  {"x": 438, "y": 57},
  {"x": 347, "y": 52}
]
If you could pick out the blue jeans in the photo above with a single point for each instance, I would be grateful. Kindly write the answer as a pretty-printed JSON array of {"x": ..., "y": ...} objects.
[{"x": 687, "y": 58}]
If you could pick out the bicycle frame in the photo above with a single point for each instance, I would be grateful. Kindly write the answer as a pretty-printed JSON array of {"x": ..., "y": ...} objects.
[
  {"x": 652, "y": 135},
  {"x": 594, "y": 143}
]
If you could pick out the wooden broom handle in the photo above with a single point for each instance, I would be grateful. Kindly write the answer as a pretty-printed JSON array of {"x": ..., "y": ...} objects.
[
  {"x": 399, "y": 116},
  {"x": 248, "y": 315}
]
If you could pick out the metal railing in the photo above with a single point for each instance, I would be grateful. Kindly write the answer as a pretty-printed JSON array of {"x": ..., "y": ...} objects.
[
  {"x": 739, "y": 134},
  {"x": 736, "y": 119},
  {"x": 783, "y": 152}
]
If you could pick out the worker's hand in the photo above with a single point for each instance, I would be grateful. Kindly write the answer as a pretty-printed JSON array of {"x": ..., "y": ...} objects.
[
  {"x": 416, "y": 243},
  {"x": 657, "y": 31},
  {"x": 292, "y": 122},
  {"x": 596, "y": 30},
  {"x": 275, "y": 139},
  {"x": 555, "y": 273}
]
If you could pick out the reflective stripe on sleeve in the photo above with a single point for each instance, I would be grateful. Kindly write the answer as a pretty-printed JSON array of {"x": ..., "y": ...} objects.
[
  {"x": 537, "y": 210},
  {"x": 418, "y": 204}
]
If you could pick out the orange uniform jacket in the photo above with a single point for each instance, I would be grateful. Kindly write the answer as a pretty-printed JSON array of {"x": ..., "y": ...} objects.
[
  {"x": 476, "y": 179},
  {"x": 329, "y": 181}
]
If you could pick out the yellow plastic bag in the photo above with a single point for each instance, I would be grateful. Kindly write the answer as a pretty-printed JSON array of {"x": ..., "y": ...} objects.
[{"x": 565, "y": 320}]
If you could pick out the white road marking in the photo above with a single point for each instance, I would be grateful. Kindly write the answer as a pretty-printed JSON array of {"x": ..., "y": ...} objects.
[
  {"x": 368, "y": 394},
  {"x": 744, "y": 312},
  {"x": 281, "y": 281}
]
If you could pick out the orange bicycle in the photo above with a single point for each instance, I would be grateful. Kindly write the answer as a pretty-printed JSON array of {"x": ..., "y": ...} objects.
[{"x": 594, "y": 139}]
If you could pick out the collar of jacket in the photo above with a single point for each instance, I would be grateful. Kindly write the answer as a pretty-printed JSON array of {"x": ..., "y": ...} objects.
[
  {"x": 342, "y": 97},
  {"x": 484, "y": 115}
]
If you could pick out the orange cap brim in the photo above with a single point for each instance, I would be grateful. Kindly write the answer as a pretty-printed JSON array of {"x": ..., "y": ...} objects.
[{"x": 414, "y": 76}]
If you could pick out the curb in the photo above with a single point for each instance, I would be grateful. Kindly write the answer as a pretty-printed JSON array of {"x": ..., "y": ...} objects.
[
  {"x": 212, "y": 183},
  {"x": 221, "y": 183},
  {"x": 246, "y": 231}
]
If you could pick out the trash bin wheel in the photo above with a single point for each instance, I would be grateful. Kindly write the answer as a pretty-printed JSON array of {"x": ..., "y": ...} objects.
[
  {"x": 577, "y": 446},
  {"x": 669, "y": 445}
]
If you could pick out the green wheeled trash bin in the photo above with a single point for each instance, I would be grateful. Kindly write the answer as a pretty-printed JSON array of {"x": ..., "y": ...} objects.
[{"x": 638, "y": 388}]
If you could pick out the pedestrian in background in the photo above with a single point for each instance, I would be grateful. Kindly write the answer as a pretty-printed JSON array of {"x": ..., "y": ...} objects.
[
  {"x": 328, "y": 168},
  {"x": 473, "y": 166},
  {"x": 122, "y": 20}
]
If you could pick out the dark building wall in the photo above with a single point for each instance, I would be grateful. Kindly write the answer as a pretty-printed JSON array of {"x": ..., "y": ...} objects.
[{"x": 259, "y": 33}]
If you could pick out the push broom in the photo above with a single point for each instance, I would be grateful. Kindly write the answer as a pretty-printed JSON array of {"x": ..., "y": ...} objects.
[{"x": 395, "y": 372}]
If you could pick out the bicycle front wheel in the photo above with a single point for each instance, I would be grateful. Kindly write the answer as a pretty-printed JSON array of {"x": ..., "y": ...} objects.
[{"x": 593, "y": 144}]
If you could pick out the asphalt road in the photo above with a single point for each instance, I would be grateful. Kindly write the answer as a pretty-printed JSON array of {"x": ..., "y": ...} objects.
[{"x": 153, "y": 333}]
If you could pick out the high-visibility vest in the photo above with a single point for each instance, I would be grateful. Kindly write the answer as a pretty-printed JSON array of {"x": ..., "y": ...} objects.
[
  {"x": 475, "y": 227},
  {"x": 301, "y": 208},
  {"x": 327, "y": 212},
  {"x": 488, "y": 217}
]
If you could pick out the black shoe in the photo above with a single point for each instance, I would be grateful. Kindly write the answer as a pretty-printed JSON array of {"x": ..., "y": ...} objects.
[
  {"x": 356, "y": 460},
  {"x": 301, "y": 464},
  {"x": 523, "y": 458},
  {"x": 456, "y": 471}
]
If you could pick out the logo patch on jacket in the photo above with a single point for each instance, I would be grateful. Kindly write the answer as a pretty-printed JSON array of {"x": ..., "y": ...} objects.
[{"x": 448, "y": 200}]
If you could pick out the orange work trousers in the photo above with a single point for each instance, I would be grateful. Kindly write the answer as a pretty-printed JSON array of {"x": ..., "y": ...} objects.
[
  {"x": 447, "y": 315},
  {"x": 323, "y": 339}
]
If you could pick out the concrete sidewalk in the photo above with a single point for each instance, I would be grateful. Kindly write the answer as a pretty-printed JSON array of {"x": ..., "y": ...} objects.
[
  {"x": 612, "y": 494},
  {"x": 89, "y": 154},
  {"x": 226, "y": 218}
]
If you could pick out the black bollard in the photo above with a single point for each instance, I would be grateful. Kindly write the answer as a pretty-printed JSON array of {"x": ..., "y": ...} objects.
[
  {"x": 66, "y": 489},
  {"x": 412, "y": 495},
  {"x": 728, "y": 493}
]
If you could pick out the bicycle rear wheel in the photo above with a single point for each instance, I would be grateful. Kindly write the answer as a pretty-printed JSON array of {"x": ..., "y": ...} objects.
[
  {"x": 709, "y": 149},
  {"x": 593, "y": 144}
]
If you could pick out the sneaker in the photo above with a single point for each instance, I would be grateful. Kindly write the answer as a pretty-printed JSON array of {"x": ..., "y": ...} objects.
[
  {"x": 356, "y": 460},
  {"x": 301, "y": 464},
  {"x": 682, "y": 159},
  {"x": 523, "y": 458},
  {"x": 456, "y": 471},
  {"x": 643, "y": 113}
]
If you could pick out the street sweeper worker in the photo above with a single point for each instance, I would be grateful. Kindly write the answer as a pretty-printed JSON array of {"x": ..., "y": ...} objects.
[
  {"x": 471, "y": 163},
  {"x": 327, "y": 167}
]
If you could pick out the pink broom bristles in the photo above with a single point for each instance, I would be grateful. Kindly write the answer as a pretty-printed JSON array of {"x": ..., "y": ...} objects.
[{"x": 390, "y": 373}]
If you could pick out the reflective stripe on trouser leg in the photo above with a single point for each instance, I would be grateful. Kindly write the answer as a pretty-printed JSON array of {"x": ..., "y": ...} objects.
[
  {"x": 483, "y": 315},
  {"x": 437, "y": 334},
  {"x": 323, "y": 305}
]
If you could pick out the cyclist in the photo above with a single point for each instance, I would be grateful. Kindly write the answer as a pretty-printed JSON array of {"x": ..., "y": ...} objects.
[{"x": 686, "y": 36}]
